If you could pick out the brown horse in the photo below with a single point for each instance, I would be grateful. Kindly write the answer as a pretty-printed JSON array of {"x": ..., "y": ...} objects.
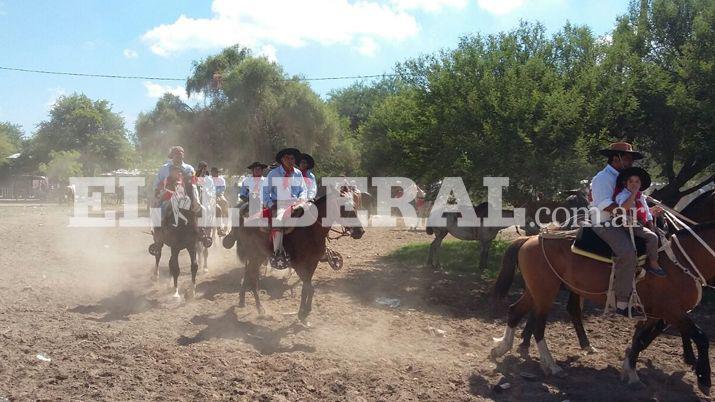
[
  {"x": 305, "y": 245},
  {"x": 547, "y": 263}
]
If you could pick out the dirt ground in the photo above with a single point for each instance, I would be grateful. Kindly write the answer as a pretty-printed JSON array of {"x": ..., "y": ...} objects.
[{"x": 84, "y": 298}]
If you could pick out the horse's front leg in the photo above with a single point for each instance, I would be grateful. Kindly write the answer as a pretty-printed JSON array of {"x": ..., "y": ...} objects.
[
  {"x": 255, "y": 279},
  {"x": 702, "y": 365},
  {"x": 194, "y": 269},
  {"x": 575, "y": 310},
  {"x": 157, "y": 258},
  {"x": 174, "y": 270},
  {"x": 306, "y": 300},
  {"x": 433, "y": 257},
  {"x": 644, "y": 334},
  {"x": 484, "y": 254}
]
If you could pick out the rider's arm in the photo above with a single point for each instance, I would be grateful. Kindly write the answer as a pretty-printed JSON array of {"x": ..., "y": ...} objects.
[
  {"x": 266, "y": 189},
  {"x": 303, "y": 195},
  {"x": 626, "y": 199},
  {"x": 602, "y": 193}
]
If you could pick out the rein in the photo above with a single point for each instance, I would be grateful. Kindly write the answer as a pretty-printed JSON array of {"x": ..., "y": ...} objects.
[{"x": 343, "y": 232}]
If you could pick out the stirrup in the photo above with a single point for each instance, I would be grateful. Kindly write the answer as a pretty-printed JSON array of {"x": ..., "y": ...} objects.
[{"x": 279, "y": 260}]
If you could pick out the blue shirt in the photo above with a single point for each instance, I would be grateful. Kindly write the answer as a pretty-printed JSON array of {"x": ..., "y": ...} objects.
[
  {"x": 298, "y": 190},
  {"x": 312, "y": 186},
  {"x": 165, "y": 170},
  {"x": 602, "y": 187}
]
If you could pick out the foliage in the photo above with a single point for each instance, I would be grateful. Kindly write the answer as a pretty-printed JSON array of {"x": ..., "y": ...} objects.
[
  {"x": 11, "y": 140},
  {"x": 253, "y": 110},
  {"x": 62, "y": 165},
  {"x": 77, "y": 123}
]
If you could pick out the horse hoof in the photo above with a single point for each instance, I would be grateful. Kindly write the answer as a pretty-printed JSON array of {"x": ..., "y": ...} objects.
[
  {"x": 206, "y": 270},
  {"x": 176, "y": 296}
]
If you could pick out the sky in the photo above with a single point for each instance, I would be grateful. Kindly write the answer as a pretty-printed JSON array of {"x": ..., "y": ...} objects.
[{"x": 311, "y": 38}]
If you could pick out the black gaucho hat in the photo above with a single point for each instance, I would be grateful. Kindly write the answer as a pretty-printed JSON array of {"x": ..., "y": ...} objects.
[
  {"x": 309, "y": 159},
  {"x": 635, "y": 171},
  {"x": 256, "y": 164},
  {"x": 287, "y": 151}
]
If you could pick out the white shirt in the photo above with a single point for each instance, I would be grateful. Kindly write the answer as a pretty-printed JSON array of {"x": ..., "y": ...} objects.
[
  {"x": 219, "y": 181},
  {"x": 602, "y": 187}
]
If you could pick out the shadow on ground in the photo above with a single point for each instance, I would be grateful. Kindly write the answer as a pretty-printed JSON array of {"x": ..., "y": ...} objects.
[
  {"x": 227, "y": 326},
  {"x": 118, "y": 307}
]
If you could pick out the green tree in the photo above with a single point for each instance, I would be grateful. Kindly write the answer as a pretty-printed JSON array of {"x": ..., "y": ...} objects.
[
  {"x": 89, "y": 127},
  {"x": 657, "y": 88},
  {"x": 253, "y": 109},
  {"x": 11, "y": 140},
  {"x": 62, "y": 165}
]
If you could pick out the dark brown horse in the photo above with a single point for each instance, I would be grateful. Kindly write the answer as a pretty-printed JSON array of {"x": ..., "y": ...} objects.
[
  {"x": 546, "y": 264},
  {"x": 702, "y": 208},
  {"x": 305, "y": 245}
]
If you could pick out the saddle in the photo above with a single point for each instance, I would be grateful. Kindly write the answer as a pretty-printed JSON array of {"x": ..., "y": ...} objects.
[{"x": 588, "y": 244}]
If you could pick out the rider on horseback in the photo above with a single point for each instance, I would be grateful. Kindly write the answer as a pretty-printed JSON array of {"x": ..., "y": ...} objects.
[
  {"x": 176, "y": 161},
  {"x": 306, "y": 164},
  {"x": 292, "y": 184},
  {"x": 603, "y": 208}
]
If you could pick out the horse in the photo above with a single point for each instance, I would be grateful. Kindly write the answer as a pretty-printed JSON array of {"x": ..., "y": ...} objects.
[
  {"x": 306, "y": 246},
  {"x": 485, "y": 235},
  {"x": 547, "y": 263},
  {"x": 209, "y": 213},
  {"x": 179, "y": 234},
  {"x": 575, "y": 305}
]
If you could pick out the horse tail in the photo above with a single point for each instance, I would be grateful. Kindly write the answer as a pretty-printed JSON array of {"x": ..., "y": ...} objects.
[{"x": 508, "y": 268}]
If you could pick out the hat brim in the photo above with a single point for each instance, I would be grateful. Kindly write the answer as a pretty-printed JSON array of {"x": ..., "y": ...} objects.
[
  {"x": 256, "y": 164},
  {"x": 609, "y": 152},
  {"x": 309, "y": 159},
  {"x": 287, "y": 151}
]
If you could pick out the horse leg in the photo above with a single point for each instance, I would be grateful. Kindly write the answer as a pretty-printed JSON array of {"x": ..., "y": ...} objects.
[
  {"x": 242, "y": 292},
  {"x": 702, "y": 366},
  {"x": 306, "y": 295},
  {"x": 255, "y": 278},
  {"x": 516, "y": 313},
  {"x": 433, "y": 257},
  {"x": 542, "y": 305},
  {"x": 194, "y": 269},
  {"x": 574, "y": 307},
  {"x": 644, "y": 334},
  {"x": 526, "y": 334},
  {"x": 688, "y": 354},
  {"x": 157, "y": 258},
  {"x": 484, "y": 254},
  {"x": 174, "y": 269}
]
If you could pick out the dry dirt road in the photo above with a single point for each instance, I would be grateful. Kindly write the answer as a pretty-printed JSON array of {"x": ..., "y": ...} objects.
[{"x": 83, "y": 298}]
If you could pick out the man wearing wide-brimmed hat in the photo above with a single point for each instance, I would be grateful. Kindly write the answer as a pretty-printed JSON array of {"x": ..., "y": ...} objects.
[
  {"x": 621, "y": 156},
  {"x": 253, "y": 184},
  {"x": 293, "y": 189}
]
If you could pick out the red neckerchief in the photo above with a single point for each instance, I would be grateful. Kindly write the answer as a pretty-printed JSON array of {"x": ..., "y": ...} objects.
[
  {"x": 641, "y": 210},
  {"x": 286, "y": 177}
]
